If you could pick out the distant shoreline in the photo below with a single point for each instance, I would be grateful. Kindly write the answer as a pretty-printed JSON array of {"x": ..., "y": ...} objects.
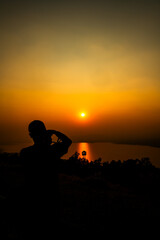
[
  {"x": 119, "y": 143},
  {"x": 19, "y": 146}
]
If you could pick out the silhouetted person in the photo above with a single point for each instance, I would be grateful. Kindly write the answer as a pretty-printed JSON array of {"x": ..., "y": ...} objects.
[{"x": 41, "y": 180}]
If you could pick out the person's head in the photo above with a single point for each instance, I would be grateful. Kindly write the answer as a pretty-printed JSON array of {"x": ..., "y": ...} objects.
[{"x": 38, "y": 132}]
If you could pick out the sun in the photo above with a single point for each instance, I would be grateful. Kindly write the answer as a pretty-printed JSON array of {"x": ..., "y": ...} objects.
[{"x": 83, "y": 114}]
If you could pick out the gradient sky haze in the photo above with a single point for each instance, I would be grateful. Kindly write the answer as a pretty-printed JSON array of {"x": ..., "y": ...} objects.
[{"x": 61, "y": 58}]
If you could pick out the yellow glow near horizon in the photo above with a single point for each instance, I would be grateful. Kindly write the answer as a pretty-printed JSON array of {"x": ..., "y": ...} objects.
[{"x": 81, "y": 73}]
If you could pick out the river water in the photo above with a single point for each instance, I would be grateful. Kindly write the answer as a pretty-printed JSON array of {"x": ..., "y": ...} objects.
[{"x": 104, "y": 150}]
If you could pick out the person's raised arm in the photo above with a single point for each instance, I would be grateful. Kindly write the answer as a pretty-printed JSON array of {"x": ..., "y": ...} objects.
[{"x": 62, "y": 137}]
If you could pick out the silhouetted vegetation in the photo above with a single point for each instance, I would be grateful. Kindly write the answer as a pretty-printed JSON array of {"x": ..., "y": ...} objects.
[{"x": 90, "y": 192}]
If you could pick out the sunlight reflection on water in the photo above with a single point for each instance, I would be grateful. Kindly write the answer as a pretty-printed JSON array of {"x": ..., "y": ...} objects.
[{"x": 83, "y": 146}]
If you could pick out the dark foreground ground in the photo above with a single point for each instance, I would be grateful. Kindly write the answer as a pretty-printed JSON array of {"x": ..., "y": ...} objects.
[{"x": 90, "y": 194}]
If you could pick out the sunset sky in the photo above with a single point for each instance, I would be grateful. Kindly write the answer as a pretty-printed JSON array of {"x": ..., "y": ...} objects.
[{"x": 59, "y": 59}]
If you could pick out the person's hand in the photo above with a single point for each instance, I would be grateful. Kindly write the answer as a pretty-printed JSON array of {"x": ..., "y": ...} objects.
[
  {"x": 61, "y": 137},
  {"x": 51, "y": 132}
]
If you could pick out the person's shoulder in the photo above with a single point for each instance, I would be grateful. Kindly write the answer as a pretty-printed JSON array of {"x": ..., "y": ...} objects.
[
  {"x": 59, "y": 148},
  {"x": 57, "y": 145},
  {"x": 26, "y": 151}
]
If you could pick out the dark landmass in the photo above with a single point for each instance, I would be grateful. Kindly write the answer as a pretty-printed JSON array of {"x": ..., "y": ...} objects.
[{"x": 90, "y": 193}]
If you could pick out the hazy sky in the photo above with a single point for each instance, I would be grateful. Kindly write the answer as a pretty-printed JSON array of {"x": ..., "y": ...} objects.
[{"x": 61, "y": 58}]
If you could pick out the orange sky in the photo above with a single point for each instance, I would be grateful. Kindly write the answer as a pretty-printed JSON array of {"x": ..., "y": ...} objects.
[{"x": 59, "y": 60}]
